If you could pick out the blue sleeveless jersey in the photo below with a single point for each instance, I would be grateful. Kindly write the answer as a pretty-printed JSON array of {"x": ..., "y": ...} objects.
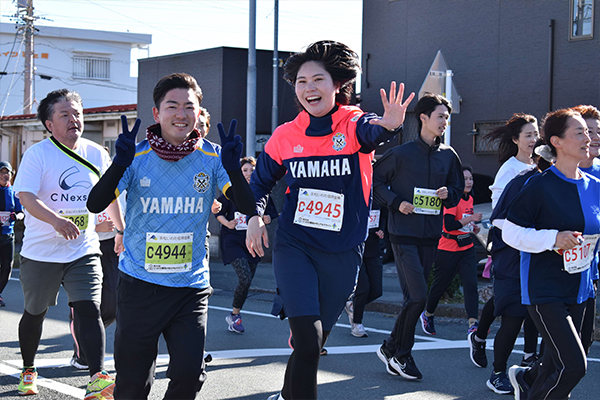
[{"x": 168, "y": 205}]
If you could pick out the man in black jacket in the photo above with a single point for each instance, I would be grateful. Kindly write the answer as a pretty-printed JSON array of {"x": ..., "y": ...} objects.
[{"x": 414, "y": 181}]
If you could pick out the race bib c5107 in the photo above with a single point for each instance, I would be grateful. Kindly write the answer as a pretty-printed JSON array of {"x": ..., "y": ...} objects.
[
  {"x": 579, "y": 258},
  {"x": 169, "y": 252},
  {"x": 320, "y": 209},
  {"x": 426, "y": 201}
]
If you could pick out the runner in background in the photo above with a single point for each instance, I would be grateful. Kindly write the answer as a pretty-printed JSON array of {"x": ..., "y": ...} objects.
[
  {"x": 325, "y": 155},
  {"x": 591, "y": 115},
  {"x": 456, "y": 254},
  {"x": 233, "y": 247},
  {"x": 370, "y": 277},
  {"x": 554, "y": 222},
  {"x": 516, "y": 140},
  {"x": 10, "y": 211}
]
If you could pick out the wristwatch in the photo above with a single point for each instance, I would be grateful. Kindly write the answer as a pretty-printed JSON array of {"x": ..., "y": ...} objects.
[{"x": 119, "y": 232}]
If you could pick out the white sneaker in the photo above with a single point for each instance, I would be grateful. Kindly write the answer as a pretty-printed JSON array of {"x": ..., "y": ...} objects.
[
  {"x": 350, "y": 311},
  {"x": 358, "y": 330}
]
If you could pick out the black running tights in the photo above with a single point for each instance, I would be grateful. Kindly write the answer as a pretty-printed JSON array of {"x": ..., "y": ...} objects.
[{"x": 301, "y": 373}]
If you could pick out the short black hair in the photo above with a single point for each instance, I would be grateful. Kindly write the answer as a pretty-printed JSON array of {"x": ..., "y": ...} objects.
[
  {"x": 427, "y": 104},
  {"x": 177, "y": 80},
  {"x": 46, "y": 106},
  {"x": 339, "y": 61}
]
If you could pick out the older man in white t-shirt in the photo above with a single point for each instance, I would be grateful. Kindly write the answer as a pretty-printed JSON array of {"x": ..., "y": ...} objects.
[{"x": 60, "y": 245}]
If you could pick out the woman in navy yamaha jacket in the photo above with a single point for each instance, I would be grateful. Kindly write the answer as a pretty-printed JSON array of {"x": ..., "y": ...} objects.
[{"x": 555, "y": 223}]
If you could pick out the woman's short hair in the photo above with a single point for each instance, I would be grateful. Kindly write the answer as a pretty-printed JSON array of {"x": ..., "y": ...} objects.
[{"x": 339, "y": 61}]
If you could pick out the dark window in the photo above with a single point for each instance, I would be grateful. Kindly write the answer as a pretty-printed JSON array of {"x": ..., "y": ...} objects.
[{"x": 581, "y": 19}]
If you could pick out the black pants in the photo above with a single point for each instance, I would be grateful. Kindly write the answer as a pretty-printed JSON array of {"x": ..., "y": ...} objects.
[
  {"x": 564, "y": 362},
  {"x": 369, "y": 286},
  {"x": 413, "y": 264},
  {"x": 505, "y": 340},
  {"x": 245, "y": 271},
  {"x": 447, "y": 264},
  {"x": 7, "y": 251},
  {"x": 144, "y": 312}
]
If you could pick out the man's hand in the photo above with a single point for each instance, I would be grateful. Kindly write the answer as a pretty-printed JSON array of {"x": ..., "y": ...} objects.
[
  {"x": 119, "y": 248},
  {"x": 106, "y": 226},
  {"x": 256, "y": 235},
  {"x": 394, "y": 110},
  {"x": 442, "y": 192},
  {"x": 125, "y": 145},
  {"x": 406, "y": 207},
  {"x": 231, "y": 147},
  {"x": 267, "y": 219},
  {"x": 66, "y": 228}
]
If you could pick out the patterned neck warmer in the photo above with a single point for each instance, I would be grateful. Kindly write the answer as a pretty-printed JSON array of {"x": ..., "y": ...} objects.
[{"x": 166, "y": 150}]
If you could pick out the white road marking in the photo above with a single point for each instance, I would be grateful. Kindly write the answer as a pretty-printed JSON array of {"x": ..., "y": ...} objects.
[{"x": 430, "y": 343}]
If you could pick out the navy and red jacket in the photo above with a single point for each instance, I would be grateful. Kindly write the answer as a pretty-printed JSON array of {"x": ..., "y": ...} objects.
[{"x": 331, "y": 153}]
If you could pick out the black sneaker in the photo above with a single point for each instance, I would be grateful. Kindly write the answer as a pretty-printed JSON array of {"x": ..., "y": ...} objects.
[
  {"x": 500, "y": 383},
  {"x": 517, "y": 380},
  {"x": 2, "y": 303},
  {"x": 529, "y": 361},
  {"x": 78, "y": 363},
  {"x": 427, "y": 324},
  {"x": 406, "y": 367},
  {"x": 385, "y": 356},
  {"x": 477, "y": 352}
]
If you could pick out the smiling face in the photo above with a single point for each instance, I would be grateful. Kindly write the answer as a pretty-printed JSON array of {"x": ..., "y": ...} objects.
[
  {"x": 593, "y": 126},
  {"x": 527, "y": 137},
  {"x": 247, "y": 170},
  {"x": 315, "y": 89},
  {"x": 177, "y": 115},
  {"x": 575, "y": 143},
  {"x": 468, "y": 180},
  {"x": 435, "y": 124},
  {"x": 66, "y": 122}
]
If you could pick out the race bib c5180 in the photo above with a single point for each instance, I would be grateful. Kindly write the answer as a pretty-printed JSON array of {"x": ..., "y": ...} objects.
[
  {"x": 426, "y": 201},
  {"x": 579, "y": 258},
  {"x": 320, "y": 209},
  {"x": 168, "y": 252}
]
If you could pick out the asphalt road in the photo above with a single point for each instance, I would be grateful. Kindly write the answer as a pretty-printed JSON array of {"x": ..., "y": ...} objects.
[{"x": 251, "y": 365}]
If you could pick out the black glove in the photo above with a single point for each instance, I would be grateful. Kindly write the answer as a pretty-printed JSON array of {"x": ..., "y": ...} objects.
[
  {"x": 231, "y": 147},
  {"x": 125, "y": 145}
]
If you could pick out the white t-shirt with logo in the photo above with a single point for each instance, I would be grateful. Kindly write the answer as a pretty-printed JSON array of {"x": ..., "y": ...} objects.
[{"x": 63, "y": 185}]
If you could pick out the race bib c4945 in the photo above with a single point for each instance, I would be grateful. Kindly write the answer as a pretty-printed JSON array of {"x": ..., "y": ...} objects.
[
  {"x": 320, "y": 209},
  {"x": 426, "y": 201},
  {"x": 169, "y": 252}
]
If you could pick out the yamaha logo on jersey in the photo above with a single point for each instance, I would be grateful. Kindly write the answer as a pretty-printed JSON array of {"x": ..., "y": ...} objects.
[
  {"x": 201, "y": 182},
  {"x": 339, "y": 141}
]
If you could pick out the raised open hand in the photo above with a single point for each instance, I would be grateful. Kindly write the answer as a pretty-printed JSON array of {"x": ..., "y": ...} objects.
[
  {"x": 125, "y": 145},
  {"x": 231, "y": 147},
  {"x": 394, "y": 110}
]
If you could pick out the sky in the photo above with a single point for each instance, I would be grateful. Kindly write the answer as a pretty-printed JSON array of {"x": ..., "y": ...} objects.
[{"x": 179, "y": 26}]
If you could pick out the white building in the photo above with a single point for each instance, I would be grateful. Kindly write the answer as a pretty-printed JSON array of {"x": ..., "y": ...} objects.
[{"x": 97, "y": 64}]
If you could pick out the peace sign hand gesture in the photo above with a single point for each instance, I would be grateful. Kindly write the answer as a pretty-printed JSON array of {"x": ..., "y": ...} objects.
[
  {"x": 125, "y": 145},
  {"x": 394, "y": 110}
]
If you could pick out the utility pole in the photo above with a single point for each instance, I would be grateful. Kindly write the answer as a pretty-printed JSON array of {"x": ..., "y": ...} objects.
[
  {"x": 275, "y": 108},
  {"x": 251, "y": 86},
  {"x": 28, "y": 73}
]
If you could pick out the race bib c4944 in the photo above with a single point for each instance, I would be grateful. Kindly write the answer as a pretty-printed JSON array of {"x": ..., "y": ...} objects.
[
  {"x": 426, "y": 201},
  {"x": 320, "y": 209},
  {"x": 169, "y": 252}
]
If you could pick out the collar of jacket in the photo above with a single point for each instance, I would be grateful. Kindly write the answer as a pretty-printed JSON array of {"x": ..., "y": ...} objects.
[{"x": 422, "y": 143}]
